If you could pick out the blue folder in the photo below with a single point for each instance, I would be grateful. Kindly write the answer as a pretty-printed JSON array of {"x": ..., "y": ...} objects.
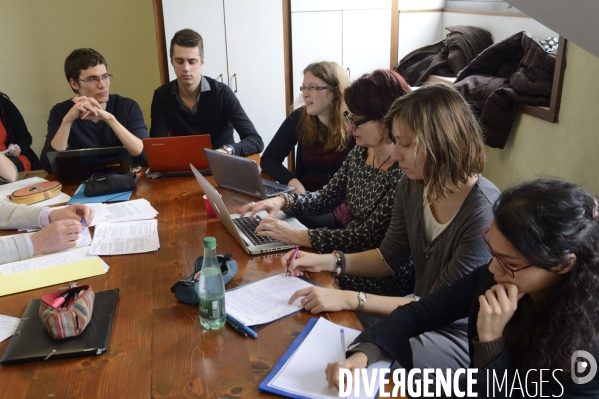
[
  {"x": 294, "y": 345},
  {"x": 80, "y": 198}
]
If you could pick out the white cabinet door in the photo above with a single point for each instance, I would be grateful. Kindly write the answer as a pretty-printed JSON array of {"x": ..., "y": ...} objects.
[
  {"x": 366, "y": 40},
  {"x": 316, "y": 36},
  {"x": 205, "y": 17},
  {"x": 256, "y": 61}
]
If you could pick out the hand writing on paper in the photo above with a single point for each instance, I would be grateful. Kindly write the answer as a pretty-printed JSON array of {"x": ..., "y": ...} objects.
[
  {"x": 307, "y": 262},
  {"x": 75, "y": 212},
  {"x": 356, "y": 361},
  {"x": 318, "y": 299},
  {"x": 56, "y": 236}
]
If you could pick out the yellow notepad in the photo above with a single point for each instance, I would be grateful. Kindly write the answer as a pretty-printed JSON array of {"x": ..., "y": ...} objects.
[{"x": 30, "y": 280}]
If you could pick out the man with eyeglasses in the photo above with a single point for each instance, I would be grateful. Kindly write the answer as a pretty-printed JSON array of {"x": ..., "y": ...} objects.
[
  {"x": 197, "y": 104},
  {"x": 94, "y": 118}
]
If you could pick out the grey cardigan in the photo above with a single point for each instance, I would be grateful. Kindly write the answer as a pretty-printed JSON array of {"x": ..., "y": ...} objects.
[
  {"x": 15, "y": 247},
  {"x": 454, "y": 253}
]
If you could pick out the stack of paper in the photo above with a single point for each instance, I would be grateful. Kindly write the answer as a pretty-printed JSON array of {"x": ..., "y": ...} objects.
[
  {"x": 43, "y": 271},
  {"x": 139, "y": 209},
  {"x": 264, "y": 301},
  {"x": 8, "y": 326},
  {"x": 7, "y": 189},
  {"x": 125, "y": 238}
]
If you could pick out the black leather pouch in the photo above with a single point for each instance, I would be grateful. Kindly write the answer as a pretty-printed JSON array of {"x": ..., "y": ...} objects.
[
  {"x": 186, "y": 290},
  {"x": 109, "y": 183}
]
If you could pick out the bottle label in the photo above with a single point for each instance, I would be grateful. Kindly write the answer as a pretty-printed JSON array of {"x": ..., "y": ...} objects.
[{"x": 212, "y": 309}]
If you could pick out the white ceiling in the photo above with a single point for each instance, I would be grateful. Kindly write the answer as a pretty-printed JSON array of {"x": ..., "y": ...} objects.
[{"x": 576, "y": 20}]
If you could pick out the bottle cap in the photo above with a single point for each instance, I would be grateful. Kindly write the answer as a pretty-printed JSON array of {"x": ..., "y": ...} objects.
[{"x": 209, "y": 242}]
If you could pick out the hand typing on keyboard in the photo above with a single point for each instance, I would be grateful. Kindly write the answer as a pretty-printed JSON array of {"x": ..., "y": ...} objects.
[
  {"x": 282, "y": 231},
  {"x": 270, "y": 205}
]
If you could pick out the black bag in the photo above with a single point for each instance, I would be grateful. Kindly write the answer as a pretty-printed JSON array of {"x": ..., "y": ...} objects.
[
  {"x": 186, "y": 291},
  {"x": 109, "y": 183}
]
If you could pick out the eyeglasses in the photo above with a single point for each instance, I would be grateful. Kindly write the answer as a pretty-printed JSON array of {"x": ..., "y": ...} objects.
[
  {"x": 310, "y": 88},
  {"x": 349, "y": 119},
  {"x": 509, "y": 269},
  {"x": 94, "y": 80}
]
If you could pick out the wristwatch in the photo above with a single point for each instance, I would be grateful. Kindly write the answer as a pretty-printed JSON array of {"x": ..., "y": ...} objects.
[
  {"x": 362, "y": 299},
  {"x": 230, "y": 150}
]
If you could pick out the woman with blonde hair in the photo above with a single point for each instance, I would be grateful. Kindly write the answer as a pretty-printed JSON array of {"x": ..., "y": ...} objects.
[
  {"x": 441, "y": 206},
  {"x": 318, "y": 130}
]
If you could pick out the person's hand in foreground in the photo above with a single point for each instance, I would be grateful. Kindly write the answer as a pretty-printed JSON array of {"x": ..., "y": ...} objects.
[{"x": 356, "y": 361}]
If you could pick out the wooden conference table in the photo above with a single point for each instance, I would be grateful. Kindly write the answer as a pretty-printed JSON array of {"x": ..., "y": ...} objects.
[{"x": 158, "y": 348}]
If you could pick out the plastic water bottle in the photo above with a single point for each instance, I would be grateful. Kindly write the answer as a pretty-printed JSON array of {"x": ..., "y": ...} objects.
[{"x": 212, "y": 289}]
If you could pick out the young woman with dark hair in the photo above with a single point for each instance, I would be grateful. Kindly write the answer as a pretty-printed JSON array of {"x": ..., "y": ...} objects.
[
  {"x": 367, "y": 180},
  {"x": 441, "y": 206},
  {"x": 15, "y": 137},
  {"x": 533, "y": 307},
  {"x": 318, "y": 130}
]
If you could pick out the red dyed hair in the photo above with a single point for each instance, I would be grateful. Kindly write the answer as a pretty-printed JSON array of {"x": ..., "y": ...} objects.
[{"x": 372, "y": 94}]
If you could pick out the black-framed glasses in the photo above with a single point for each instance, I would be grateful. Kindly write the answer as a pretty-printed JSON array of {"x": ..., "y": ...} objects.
[
  {"x": 95, "y": 80},
  {"x": 509, "y": 269},
  {"x": 311, "y": 87},
  {"x": 349, "y": 119}
]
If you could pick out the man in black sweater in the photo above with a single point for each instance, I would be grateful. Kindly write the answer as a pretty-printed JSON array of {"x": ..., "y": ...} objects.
[
  {"x": 196, "y": 104},
  {"x": 95, "y": 118}
]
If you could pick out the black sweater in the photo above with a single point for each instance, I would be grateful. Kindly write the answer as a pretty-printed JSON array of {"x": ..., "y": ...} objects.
[
  {"x": 440, "y": 309},
  {"x": 89, "y": 134},
  {"x": 17, "y": 132},
  {"x": 218, "y": 113},
  {"x": 314, "y": 166}
]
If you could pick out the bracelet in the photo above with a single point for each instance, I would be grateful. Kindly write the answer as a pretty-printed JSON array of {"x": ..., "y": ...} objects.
[
  {"x": 338, "y": 263},
  {"x": 288, "y": 202}
]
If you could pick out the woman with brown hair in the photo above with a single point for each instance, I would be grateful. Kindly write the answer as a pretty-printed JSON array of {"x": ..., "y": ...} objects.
[
  {"x": 441, "y": 206},
  {"x": 318, "y": 130},
  {"x": 367, "y": 180}
]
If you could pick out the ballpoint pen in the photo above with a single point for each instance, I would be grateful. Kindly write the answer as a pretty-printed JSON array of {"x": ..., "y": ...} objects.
[
  {"x": 240, "y": 328},
  {"x": 236, "y": 327},
  {"x": 343, "y": 345},
  {"x": 295, "y": 251}
]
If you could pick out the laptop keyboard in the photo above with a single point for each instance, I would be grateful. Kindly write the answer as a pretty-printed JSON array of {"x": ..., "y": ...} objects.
[
  {"x": 272, "y": 191},
  {"x": 248, "y": 227}
]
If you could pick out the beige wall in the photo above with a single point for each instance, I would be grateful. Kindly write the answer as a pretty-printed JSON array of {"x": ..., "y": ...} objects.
[
  {"x": 567, "y": 149},
  {"x": 36, "y": 36}
]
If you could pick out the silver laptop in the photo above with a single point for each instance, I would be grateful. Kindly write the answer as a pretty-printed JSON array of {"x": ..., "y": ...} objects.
[
  {"x": 242, "y": 228},
  {"x": 242, "y": 175}
]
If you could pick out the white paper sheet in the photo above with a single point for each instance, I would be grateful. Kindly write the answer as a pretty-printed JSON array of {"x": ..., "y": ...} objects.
[
  {"x": 7, "y": 189},
  {"x": 8, "y": 326},
  {"x": 264, "y": 301},
  {"x": 139, "y": 209},
  {"x": 125, "y": 238},
  {"x": 303, "y": 374},
  {"x": 46, "y": 261}
]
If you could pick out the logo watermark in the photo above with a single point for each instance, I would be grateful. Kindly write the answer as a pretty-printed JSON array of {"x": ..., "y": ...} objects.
[
  {"x": 579, "y": 366},
  {"x": 429, "y": 382}
]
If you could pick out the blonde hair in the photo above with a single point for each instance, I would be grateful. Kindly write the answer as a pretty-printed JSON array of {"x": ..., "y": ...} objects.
[
  {"x": 315, "y": 133},
  {"x": 446, "y": 131}
]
